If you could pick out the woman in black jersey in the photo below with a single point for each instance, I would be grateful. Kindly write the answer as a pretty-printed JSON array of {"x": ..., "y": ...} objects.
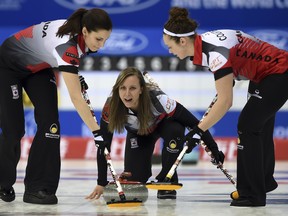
[
  {"x": 28, "y": 60},
  {"x": 147, "y": 114},
  {"x": 234, "y": 55}
]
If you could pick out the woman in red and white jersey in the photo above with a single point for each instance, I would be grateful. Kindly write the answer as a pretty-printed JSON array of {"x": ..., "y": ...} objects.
[
  {"x": 28, "y": 60},
  {"x": 234, "y": 55}
]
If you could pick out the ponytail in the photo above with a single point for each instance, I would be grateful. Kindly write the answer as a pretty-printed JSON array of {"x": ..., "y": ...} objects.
[{"x": 93, "y": 19}]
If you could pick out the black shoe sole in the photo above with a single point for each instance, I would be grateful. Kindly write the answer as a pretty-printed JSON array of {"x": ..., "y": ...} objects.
[
  {"x": 33, "y": 199},
  {"x": 166, "y": 197},
  {"x": 272, "y": 188},
  {"x": 8, "y": 198},
  {"x": 245, "y": 203}
]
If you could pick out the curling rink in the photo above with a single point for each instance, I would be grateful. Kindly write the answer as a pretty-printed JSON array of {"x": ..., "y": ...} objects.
[{"x": 206, "y": 191}]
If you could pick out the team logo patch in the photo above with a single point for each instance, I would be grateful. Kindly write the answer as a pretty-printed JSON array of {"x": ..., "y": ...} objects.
[
  {"x": 15, "y": 91},
  {"x": 74, "y": 60},
  {"x": 172, "y": 144},
  {"x": 53, "y": 130},
  {"x": 172, "y": 147},
  {"x": 134, "y": 143}
]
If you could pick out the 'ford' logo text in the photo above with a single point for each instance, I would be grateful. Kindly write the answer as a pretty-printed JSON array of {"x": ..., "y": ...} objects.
[
  {"x": 111, "y": 6},
  {"x": 124, "y": 42}
]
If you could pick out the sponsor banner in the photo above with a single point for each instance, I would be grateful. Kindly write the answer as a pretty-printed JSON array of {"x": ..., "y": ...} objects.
[
  {"x": 72, "y": 125},
  {"x": 146, "y": 13},
  {"x": 84, "y": 148}
]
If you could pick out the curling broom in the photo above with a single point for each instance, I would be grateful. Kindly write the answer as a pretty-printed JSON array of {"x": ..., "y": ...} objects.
[
  {"x": 166, "y": 185},
  {"x": 123, "y": 202}
]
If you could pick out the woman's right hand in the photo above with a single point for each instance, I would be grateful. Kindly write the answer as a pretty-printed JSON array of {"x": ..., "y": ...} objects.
[{"x": 97, "y": 192}]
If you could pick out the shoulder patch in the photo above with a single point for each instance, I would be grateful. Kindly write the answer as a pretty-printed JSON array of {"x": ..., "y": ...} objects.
[
  {"x": 68, "y": 53},
  {"x": 71, "y": 56}
]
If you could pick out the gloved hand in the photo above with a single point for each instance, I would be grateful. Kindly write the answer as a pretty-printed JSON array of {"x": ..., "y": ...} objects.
[
  {"x": 98, "y": 138},
  {"x": 217, "y": 156},
  {"x": 83, "y": 84},
  {"x": 193, "y": 138}
]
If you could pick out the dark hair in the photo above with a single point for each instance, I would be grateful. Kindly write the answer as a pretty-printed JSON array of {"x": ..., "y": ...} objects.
[
  {"x": 93, "y": 19},
  {"x": 118, "y": 111},
  {"x": 180, "y": 23}
]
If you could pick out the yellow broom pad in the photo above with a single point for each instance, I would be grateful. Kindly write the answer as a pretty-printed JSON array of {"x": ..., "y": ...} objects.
[{"x": 164, "y": 185}]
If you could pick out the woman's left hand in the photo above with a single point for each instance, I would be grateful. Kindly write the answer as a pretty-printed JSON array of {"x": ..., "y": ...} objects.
[{"x": 97, "y": 192}]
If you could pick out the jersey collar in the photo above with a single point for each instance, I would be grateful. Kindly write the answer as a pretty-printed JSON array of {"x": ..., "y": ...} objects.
[
  {"x": 81, "y": 43},
  {"x": 197, "y": 59}
]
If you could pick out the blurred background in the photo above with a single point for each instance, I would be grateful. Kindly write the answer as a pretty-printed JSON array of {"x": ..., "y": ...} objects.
[{"x": 136, "y": 40}]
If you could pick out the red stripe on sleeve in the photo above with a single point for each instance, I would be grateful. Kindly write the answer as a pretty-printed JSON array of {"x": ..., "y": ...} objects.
[{"x": 26, "y": 33}]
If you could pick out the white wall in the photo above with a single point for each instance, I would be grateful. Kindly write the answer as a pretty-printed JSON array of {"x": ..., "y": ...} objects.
[{"x": 195, "y": 90}]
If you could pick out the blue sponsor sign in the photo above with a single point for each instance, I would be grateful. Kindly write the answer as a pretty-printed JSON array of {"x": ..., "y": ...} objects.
[
  {"x": 123, "y": 41},
  {"x": 152, "y": 13},
  {"x": 72, "y": 125},
  {"x": 111, "y": 6}
]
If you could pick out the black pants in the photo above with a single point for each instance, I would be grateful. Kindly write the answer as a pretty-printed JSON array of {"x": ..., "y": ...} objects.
[
  {"x": 43, "y": 165},
  {"x": 139, "y": 151},
  {"x": 255, "y": 155}
]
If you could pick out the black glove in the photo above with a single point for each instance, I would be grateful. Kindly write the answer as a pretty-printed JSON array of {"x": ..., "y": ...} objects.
[
  {"x": 193, "y": 138},
  {"x": 217, "y": 156},
  {"x": 83, "y": 84},
  {"x": 98, "y": 138}
]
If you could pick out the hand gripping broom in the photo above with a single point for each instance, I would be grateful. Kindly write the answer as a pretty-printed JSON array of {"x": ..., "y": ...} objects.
[{"x": 123, "y": 202}]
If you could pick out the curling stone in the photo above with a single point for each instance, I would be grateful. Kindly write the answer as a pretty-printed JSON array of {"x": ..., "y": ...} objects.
[{"x": 132, "y": 190}]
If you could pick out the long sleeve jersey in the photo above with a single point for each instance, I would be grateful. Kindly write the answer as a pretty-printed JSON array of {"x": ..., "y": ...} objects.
[
  {"x": 37, "y": 47},
  {"x": 250, "y": 58}
]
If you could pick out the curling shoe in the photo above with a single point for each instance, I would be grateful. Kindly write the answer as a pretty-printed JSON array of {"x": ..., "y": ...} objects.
[
  {"x": 243, "y": 202},
  {"x": 7, "y": 195},
  {"x": 40, "y": 197},
  {"x": 166, "y": 194},
  {"x": 272, "y": 187}
]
